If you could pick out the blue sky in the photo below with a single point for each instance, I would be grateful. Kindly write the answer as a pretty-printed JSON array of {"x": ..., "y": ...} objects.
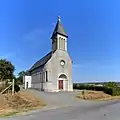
[{"x": 93, "y": 27}]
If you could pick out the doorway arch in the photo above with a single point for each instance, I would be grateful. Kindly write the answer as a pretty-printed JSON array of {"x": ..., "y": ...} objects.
[{"x": 62, "y": 82}]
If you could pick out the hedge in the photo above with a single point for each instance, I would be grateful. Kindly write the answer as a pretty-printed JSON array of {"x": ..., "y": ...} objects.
[
  {"x": 115, "y": 91},
  {"x": 108, "y": 90}
]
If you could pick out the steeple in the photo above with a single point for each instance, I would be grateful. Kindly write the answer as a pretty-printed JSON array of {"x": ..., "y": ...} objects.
[
  {"x": 59, "y": 37},
  {"x": 59, "y": 29}
]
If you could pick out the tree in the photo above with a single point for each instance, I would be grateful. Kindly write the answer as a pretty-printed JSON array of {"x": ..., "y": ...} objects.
[
  {"x": 21, "y": 73},
  {"x": 6, "y": 69},
  {"x": 20, "y": 76},
  {"x": 111, "y": 84}
]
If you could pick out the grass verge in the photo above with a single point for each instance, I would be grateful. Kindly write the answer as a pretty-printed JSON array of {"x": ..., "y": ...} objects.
[
  {"x": 96, "y": 95},
  {"x": 19, "y": 103}
]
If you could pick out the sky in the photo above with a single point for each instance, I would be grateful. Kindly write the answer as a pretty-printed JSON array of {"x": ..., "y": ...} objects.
[{"x": 93, "y": 27}]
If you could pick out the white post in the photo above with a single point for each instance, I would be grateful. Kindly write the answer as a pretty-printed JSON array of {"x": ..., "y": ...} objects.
[{"x": 13, "y": 84}]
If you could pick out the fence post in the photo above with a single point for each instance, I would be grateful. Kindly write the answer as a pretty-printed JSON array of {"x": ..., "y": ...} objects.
[{"x": 13, "y": 84}]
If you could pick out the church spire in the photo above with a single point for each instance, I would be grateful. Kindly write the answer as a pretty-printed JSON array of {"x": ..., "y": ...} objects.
[{"x": 59, "y": 29}]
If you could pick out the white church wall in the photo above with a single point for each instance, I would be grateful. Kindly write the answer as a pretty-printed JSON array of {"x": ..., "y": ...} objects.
[
  {"x": 55, "y": 70},
  {"x": 65, "y": 85},
  {"x": 37, "y": 86},
  {"x": 27, "y": 81},
  {"x": 37, "y": 80},
  {"x": 48, "y": 87}
]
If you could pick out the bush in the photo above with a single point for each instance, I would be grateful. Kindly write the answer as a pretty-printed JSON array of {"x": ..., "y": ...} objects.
[
  {"x": 112, "y": 84},
  {"x": 16, "y": 88},
  {"x": 87, "y": 87},
  {"x": 107, "y": 90},
  {"x": 114, "y": 91}
]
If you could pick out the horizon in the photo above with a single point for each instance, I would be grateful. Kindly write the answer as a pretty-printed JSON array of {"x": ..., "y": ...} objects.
[{"x": 93, "y": 29}]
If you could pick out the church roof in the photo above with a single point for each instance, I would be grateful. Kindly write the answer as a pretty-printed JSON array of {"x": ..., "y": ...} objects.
[
  {"x": 27, "y": 73},
  {"x": 59, "y": 29},
  {"x": 42, "y": 61}
]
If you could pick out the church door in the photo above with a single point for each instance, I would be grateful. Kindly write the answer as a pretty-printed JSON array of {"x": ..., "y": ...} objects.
[{"x": 60, "y": 84}]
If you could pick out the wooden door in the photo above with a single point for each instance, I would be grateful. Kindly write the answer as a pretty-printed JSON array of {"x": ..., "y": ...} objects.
[{"x": 60, "y": 84}]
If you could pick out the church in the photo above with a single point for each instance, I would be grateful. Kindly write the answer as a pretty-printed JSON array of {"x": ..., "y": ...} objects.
[{"x": 53, "y": 72}]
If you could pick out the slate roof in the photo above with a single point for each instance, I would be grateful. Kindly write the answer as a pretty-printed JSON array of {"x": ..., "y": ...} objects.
[
  {"x": 59, "y": 29},
  {"x": 41, "y": 62},
  {"x": 27, "y": 73}
]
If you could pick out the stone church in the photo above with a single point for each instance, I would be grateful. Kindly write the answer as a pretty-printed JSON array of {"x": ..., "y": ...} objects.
[{"x": 53, "y": 72}]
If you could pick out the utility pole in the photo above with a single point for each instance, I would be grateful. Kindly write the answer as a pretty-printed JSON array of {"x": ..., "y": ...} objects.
[{"x": 13, "y": 84}]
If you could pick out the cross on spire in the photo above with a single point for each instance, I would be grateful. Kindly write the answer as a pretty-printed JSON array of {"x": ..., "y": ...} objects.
[{"x": 58, "y": 18}]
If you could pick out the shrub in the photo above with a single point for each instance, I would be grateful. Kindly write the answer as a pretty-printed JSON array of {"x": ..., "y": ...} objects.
[
  {"x": 16, "y": 88},
  {"x": 108, "y": 90},
  {"x": 115, "y": 91},
  {"x": 111, "y": 84}
]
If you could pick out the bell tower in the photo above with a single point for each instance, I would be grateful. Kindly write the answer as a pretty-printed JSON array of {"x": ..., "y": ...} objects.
[{"x": 59, "y": 37}]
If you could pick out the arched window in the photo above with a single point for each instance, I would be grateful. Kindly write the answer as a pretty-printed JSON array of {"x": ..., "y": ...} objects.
[
  {"x": 59, "y": 38},
  {"x": 62, "y": 43},
  {"x": 54, "y": 44},
  {"x": 46, "y": 74}
]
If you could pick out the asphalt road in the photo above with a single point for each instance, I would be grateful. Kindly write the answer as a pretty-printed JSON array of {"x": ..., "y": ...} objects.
[{"x": 100, "y": 111}]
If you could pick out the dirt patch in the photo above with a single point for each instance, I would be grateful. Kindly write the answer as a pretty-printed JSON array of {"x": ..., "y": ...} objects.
[
  {"x": 21, "y": 101},
  {"x": 111, "y": 98},
  {"x": 95, "y": 95}
]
